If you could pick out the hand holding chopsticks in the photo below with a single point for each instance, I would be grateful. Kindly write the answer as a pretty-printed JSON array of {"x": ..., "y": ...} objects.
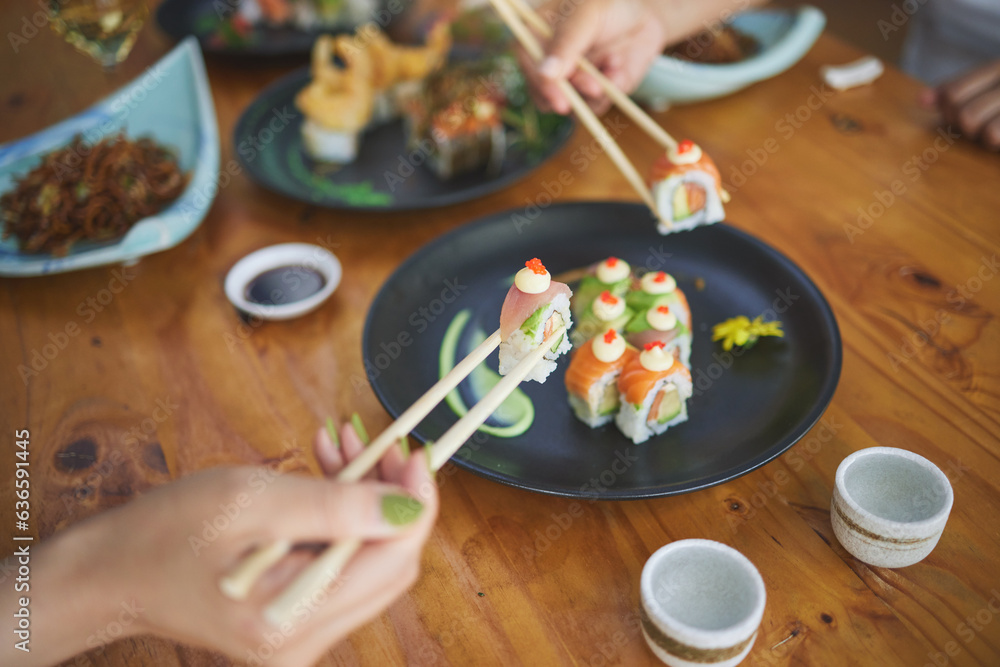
[
  {"x": 512, "y": 12},
  {"x": 328, "y": 566},
  {"x": 614, "y": 93},
  {"x": 238, "y": 583}
]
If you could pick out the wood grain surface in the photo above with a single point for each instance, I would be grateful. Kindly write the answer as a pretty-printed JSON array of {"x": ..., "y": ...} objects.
[{"x": 165, "y": 379}]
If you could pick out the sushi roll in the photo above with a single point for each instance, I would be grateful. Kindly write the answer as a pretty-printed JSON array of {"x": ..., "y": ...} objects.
[
  {"x": 606, "y": 312},
  {"x": 658, "y": 288},
  {"x": 661, "y": 323},
  {"x": 687, "y": 188},
  {"x": 535, "y": 306},
  {"x": 654, "y": 388},
  {"x": 592, "y": 377},
  {"x": 458, "y": 122},
  {"x": 612, "y": 275}
]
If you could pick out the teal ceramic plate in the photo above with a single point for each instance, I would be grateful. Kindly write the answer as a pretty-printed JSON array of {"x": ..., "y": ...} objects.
[
  {"x": 785, "y": 36},
  {"x": 171, "y": 103},
  {"x": 385, "y": 175}
]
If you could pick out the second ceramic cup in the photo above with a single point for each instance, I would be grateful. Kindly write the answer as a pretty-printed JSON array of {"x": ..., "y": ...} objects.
[
  {"x": 889, "y": 506},
  {"x": 702, "y": 602}
]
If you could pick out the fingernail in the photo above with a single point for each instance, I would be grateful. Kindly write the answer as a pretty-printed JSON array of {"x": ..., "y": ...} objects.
[
  {"x": 331, "y": 430},
  {"x": 551, "y": 67},
  {"x": 400, "y": 510},
  {"x": 359, "y": 428}
]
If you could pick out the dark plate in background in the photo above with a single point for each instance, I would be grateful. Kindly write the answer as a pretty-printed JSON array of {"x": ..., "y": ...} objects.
[
  {"x": 746, "y": 409},
  {"x": 180, "y": 18},
  {"x": 282, "y": 164}
]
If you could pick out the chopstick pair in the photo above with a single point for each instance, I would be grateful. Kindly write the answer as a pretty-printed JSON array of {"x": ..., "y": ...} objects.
[
  {"x": 512, "y": 11},
  {"x": 329, "y": 564}
]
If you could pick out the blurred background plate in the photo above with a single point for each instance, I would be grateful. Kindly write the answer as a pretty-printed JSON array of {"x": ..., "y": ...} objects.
[
  {"x": 171, "y": 102},
  {"x": 268, "y": 143},
  {"x": 783, "y": 36},
  {"x": 211, "y": 22},
  {"x": 747, "y": 409}
]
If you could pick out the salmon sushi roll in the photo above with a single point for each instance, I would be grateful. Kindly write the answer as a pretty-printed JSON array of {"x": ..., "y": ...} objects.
[
  {"x": 654, "y": 387},
  {"x": 687, "y": 188},
  {"x": 592, "y": 377},
  {"x": 535, "y": 306}
]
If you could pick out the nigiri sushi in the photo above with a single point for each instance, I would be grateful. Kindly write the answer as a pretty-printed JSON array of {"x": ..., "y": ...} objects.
[
  {"x": 607, "y": 311},
  {"x": 661, "y": 323},
  {"x": 612, "y": 275},
  {"x": 654, "y": 388},
  {"x": 535, "y": 306},
  {"x": 687, "y": 188},
  {"x": 592, "y": 377}
]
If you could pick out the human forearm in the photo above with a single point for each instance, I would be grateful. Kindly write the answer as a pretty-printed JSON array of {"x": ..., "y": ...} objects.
[{"x": 69, "y": 599}]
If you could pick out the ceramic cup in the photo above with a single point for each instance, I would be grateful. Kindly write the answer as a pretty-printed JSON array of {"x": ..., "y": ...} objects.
[
  {"x": 889, "y": 506},
  {"x": 702, "y": 602}
]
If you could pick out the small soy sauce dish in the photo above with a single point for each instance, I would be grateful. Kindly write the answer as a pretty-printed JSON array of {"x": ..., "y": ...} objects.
[{"x": 283, "y": 281}]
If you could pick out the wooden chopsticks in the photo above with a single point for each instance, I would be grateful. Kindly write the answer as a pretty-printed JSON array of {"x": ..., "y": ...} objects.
[
  {"x": 509, "y": 11},
  {"x": 329, "y": 564},
  {"x": 238, "y": 583},
  {"x": 321, "y": 572}
]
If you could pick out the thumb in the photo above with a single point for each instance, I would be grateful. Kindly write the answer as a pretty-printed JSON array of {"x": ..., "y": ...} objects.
[{"x": 571, "y": 39}]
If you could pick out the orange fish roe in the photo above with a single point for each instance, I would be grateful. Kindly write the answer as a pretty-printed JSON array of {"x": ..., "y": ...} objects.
[
  {"x": 685, "y": 145},
  {"x": 536, "y": 266},
  {"x": 608, "y": 297},
  {"x": 656, "y": 343},
  {"x": 663, "y": 309},
  {"x": 661, "y": 277},
  {"x": 610, "y": 335},
  {"x": 612, "y": 262}
]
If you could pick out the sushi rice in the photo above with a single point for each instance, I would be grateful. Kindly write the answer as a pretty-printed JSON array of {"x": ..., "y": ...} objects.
[
  {"x": 325, "y": 145},
  {"x": 582, "y": 409},
  {"x": 521, "y": 342},
  {"x": 664, "y": 192},
  {"x": 633, "y": 421}
]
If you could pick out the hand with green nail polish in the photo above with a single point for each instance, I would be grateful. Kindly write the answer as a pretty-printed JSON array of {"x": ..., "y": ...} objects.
[{"x": 163, "y": 553}]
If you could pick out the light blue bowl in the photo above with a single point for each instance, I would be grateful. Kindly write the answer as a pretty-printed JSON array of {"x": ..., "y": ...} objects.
[
  {"x": 170, "y": 102},
  {"x": 784, "y": 37}
]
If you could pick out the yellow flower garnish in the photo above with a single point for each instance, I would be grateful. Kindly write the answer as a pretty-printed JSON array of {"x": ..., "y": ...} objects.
[{"x": 742, "y": 332}]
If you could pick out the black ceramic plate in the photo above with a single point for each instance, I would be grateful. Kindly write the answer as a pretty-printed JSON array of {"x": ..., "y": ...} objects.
[
  {"x": 385, "y": 175},
  {"x": 746, "y": 410},
  {"x": 207, "y": 20}
]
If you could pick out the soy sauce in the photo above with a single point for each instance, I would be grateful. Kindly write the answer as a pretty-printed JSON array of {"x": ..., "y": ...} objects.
[{"x": 284, "y": 284}]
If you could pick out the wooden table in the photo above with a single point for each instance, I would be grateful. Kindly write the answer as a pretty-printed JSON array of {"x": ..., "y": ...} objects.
[{"x": 912, "y": 287}]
